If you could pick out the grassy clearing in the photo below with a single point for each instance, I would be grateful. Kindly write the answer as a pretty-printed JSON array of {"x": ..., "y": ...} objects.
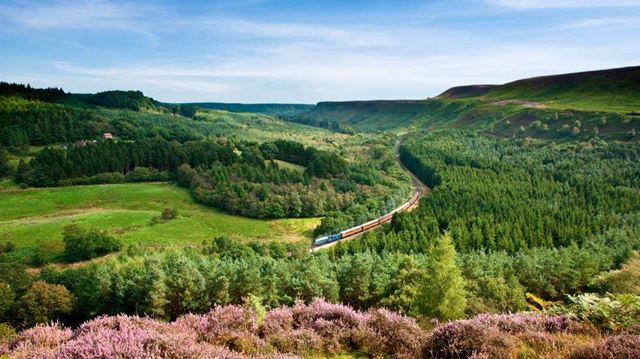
[
  {"x": 289, "y": 165},
  {"x": 28, "y": 217},
  {"x": 262, "y": 128},
  {"x": 7, "y": 184}
]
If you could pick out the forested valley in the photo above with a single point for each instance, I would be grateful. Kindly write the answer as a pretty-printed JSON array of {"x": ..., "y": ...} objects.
[{"x": 548, "y": 228}]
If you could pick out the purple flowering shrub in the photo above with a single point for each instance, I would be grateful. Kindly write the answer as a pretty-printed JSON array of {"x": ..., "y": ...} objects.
[
  {"x": 317, "y": 329},
  {"x": 231, "y": 326},
  {"x": 617, "y": 346},
  {"x": 505, "y": 336},
  {"x": 389, "y": 332},
  {"x": 41, "y": 341},
  {"x": 228, "y": 332}
]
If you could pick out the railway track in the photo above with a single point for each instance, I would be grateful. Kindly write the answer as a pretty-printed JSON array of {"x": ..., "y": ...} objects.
[{"x": 355, "y": 231}]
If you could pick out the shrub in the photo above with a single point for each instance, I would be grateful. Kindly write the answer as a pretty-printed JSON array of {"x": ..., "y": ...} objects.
[
  {"x": 185, "y": 174},
  {"x": 619, "y": 346},
  {"x": 6, "y": 333},
  {"x": 611, "y": 313},
  {"x": 41, "y": 341},
  {"x": 145, "y": 174},
  {"x": 169, "y": 214},
  {"x": 44, "y": 302},
  {"x": 624, "y": 280},
  {"x": 502, "y": 336},
  {"x": 45, "y": 249},
  {"x": 336, "y": 324},
  {"x": 9, "y": 246},
  {"x": 232, "y": 326},
  {"x": 102, "y": 178},
  {"x": 80, "y": 244},
  {"x": 388, "y": 332},
  {"x": 6, "y": 299}
]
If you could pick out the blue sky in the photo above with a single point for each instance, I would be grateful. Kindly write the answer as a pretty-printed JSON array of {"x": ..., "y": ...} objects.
[{"x": 308, "y": 51}]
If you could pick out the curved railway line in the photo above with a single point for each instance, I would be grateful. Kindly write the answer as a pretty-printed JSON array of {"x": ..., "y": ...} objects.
[{"x": 418, "y": 189}]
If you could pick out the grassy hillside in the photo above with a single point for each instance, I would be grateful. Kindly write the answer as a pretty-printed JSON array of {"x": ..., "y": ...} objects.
[
  {"x": 258, "y": 127},
  {"x": 467, "y": 91},
  {"x": 615, "y": 90},
  {"x": 582, "y": 105},
  {"x": 387, "y": 115},
  {"x": 34, "y": 216}
]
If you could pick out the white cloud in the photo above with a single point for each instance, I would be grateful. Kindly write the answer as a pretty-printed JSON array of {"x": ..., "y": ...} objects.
[
  {"x": 311, "y": 74},
  {"x": 555, "y": 4},
  {"x": 357, "y": 36},
  {"x": 81, "y": 15},
  {"x": 247, "y": 59}
]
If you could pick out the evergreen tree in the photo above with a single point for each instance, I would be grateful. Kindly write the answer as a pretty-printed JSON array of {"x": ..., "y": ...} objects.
[{"x": 441, "y": 294}]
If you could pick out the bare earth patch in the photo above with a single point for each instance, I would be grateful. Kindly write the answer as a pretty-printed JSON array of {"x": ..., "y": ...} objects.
[{"x": 523, "y": 103}]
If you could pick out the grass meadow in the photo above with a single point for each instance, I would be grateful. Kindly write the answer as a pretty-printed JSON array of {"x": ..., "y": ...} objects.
[{"x": 36, "y": 217}]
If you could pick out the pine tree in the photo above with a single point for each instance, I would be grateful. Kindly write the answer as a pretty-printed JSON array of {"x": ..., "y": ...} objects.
[
  {"x": 441, "y": 294},
  {"x": 156, "y": 291}
]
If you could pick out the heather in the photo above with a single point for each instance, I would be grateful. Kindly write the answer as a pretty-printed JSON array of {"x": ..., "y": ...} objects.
[
  {"x": 321, "y": 329},
  {"x": 524, "y": 335},
  {"x": 232, "y": 331}
]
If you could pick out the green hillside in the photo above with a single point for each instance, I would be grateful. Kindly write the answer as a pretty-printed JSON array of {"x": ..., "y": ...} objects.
[
  {"x": 615, "y": 90},
  {"x": 387, "y": 115},
  {"x": 272, "y": 109},
  {"x": 582, "y": 105},
  {"x": 467, "y": 91}
]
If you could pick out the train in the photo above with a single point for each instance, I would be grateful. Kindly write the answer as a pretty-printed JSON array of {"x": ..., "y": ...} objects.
[{"x": 321, "y": 241}]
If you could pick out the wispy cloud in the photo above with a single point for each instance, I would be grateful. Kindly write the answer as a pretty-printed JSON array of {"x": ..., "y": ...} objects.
[
  {"x": 309, "y": 75},
  {"x": 555, "y": 4},
  {"x": 251, "y": 51},
  {"x": 81, "y": 15},
  {"x": 360, "y": 36}
]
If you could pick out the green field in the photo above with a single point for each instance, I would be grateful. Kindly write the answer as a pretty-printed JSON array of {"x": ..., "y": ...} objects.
[
  {"x": 289, "y": 165},
  {"x": 27, "y": 155},
  {"x": 28, "y": 217},
  {"x": 262, "y": 128}
]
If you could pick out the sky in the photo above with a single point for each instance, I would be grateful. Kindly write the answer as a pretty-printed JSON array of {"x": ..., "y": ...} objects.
[{"x": 302, "y": 51}]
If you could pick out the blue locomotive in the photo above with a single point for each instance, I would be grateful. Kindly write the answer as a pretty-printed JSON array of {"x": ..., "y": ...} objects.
[{"x": 327, "y": 239}]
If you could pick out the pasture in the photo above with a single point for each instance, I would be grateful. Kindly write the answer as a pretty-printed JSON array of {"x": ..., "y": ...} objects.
[{"x": 36, "y": 217}]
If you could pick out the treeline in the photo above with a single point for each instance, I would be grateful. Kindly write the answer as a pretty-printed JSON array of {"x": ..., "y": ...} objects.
[
  {"x": 5, "y": 169},
  {"x": 31, "y": 122},
  {"x": 132, "y": 100},
  {"x": 437, "y": 284},
  {"x": 495, "y": 194},
  {"x": 30, "y": 116},
  {"x": 166, "y": 284},
  {"x": 328, "y": 124},
  {"x": 240, "y": 178},
  {"x": 50, "y": 94},
  {"x": 493, "y": 277},
  {"x": 51, "y": 165},
  {"x": 255, "y": 186}
]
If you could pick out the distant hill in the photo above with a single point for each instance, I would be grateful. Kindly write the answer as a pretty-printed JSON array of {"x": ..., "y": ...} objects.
[
  {"x": 608, "y": 90},
  {"x": 130, "y": 100},
  {"x": 117, "y": 99},
  {"x": 378, "y": 115},
  {"x": 604, "y": 103},
  {"x": 467, "y": 91},
  {"x": 272, "y": 109}
]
